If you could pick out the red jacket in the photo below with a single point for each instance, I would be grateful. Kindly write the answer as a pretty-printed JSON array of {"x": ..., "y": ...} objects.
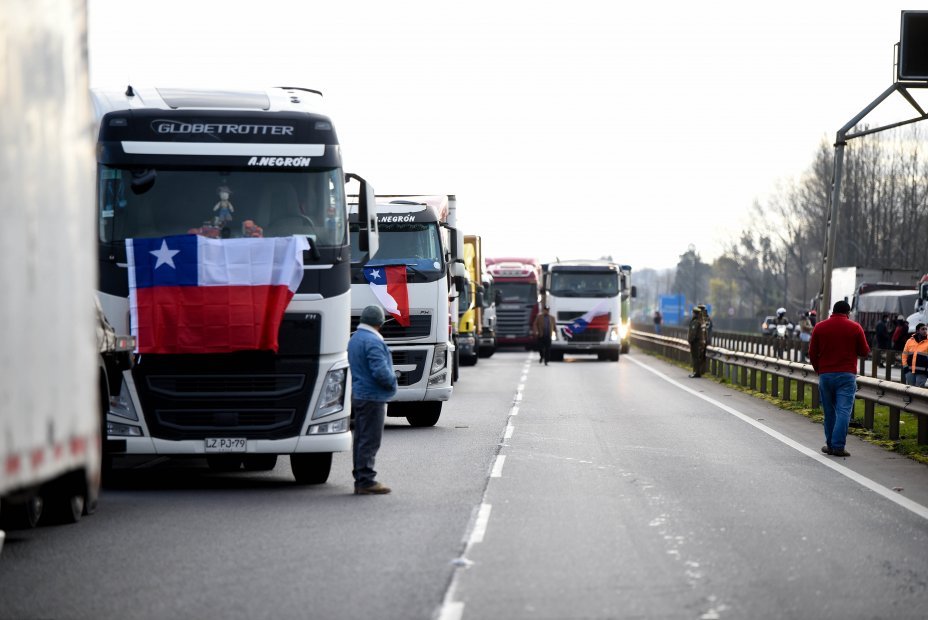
[{"x": 836, "y": 344}]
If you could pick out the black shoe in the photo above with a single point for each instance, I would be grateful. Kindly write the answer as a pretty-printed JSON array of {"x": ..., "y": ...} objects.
[
  {"x": 694, "y": 376},
  {"x": 546, "y": 363},
  {"x": 840, "y": 452},
  {"x": 826, "y": 449}
]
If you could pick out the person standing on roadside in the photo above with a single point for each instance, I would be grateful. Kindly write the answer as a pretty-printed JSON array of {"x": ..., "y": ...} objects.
[
  {"x": 918, "y": 358},
  {"x": 373, "y": 383},
  {"x": 837, "y": 343},
  {"x": 542, "y": 329},
  {"x": 697, "y": 336},
  {"x": 658, "y": 319},
  {"x": 907, "y": 377}
]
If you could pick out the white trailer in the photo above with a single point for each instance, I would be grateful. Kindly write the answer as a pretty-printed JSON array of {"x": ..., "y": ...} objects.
[{"x": 50, "y": 413}]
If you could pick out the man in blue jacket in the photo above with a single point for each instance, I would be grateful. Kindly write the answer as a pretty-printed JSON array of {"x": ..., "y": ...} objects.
[{"x": 373, "y": 383}]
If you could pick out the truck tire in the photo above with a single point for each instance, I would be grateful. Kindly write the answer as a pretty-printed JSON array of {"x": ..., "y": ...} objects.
[
  {"x": 426, "y": 414},
  {"x": 487, "y": 351},
  {"x": 22, "y": 514},
  {"x": 311, "y": 468},
  {"x": 469, "y": 360}
]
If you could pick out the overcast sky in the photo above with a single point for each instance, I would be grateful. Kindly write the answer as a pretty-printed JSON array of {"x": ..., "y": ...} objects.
[{"x": 566, "y": 129}]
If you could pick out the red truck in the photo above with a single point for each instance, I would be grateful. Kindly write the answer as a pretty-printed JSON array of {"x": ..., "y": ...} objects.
[{"x": 516, "y": 280}]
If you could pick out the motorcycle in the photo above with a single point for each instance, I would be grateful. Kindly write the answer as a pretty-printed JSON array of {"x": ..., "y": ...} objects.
[{"x": 781, "y": 337}]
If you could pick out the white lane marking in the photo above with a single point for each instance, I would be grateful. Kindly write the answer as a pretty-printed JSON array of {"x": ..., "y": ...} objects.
[
  {"x": 451, "y": 611},
  {"x": 514, "y": 410},
  {"x": 508, "y": 433},
  {"x": 498, "y": 466},
  {"x": 518, "y": 396},
  {"x": 865, "y": 482},
  {"x": 480, "y": 526}
]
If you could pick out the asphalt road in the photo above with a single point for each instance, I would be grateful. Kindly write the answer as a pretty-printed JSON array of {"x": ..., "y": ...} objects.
[{"x": 583, "y": 489}]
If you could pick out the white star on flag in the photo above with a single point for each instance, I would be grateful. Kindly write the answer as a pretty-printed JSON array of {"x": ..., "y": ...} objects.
[{"x": 165, "y": 256}]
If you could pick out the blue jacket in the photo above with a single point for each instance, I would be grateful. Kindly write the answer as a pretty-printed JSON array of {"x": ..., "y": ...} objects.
[{"x": 371, "y": 365}]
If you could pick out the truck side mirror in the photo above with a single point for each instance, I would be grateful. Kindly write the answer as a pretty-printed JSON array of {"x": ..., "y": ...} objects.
[
  {"x": 368, "y": 234},
  {"x": 634, "y": 291}
]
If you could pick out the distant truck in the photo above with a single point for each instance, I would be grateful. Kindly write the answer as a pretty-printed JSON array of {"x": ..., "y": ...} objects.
[
  {"x": 417, "y": 233},
  {"x": 476, "y": 337},
  {"x": 875, "y": 292},
  {"x": 846, "y": 281},
  {"x": 517, "y": 284},
  {"x": 585, "y": 298},
  {"x": 487, "y": 339},
  {"x": 629, "y": 292}
]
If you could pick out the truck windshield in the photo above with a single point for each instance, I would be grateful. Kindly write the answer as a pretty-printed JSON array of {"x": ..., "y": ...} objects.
[
  {"x": 149, "y": 203},
  {"x": 516, "y": 292},
  {"x": 584, "y": 283},
  {"x": 412, "y": 243}
]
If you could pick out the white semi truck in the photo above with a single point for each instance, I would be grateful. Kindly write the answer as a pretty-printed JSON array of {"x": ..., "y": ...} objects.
[
  {"x": 585, "y": 298},
  {"x": 418, "y": 233},
  {"x": 231, "y": 164},
  {"x": 50, "y": 416}
]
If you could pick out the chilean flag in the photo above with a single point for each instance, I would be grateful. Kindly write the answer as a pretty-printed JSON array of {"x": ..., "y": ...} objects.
[
  {"x": 388, "y": 283},
  {"x": 597, "y": 318},
  {"x": 192, "y": 294}
]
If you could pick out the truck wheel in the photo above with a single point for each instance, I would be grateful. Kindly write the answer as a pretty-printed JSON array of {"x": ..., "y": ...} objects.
[
  {"x": 22, "y": 515},
  {"x": 260, "y": 462},
  {"x": 487, "y": 351},
  {"x": 311, "y": 468},
  {"x": 469, "y": 360},
  {"x": 625, "y": 347},
  {"x": 427, "y": 414},
  {"x": 224, "y": 462}
]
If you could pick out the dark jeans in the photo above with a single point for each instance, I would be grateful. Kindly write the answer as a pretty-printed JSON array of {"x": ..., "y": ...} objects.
[
  {"x": 544, "y": 350},
  {"x": 369, "y": 417}
]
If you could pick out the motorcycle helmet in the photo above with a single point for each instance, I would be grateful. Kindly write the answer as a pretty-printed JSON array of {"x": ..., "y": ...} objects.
[{"x": 781, "y": 311}]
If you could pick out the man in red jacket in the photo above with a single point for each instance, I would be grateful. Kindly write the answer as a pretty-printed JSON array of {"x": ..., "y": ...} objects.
[{"x": 836, "y": 344}]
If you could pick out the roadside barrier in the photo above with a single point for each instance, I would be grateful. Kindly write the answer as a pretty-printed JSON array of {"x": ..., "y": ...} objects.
[{"x": 758, "y": 370}]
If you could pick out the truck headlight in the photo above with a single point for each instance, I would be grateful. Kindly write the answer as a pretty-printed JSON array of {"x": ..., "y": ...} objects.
[
  {"x": 122, "y": 406},
  {"x": 332, "y": 398},
  {"x": 115, "y": 429},
  {"x": 614, "y": 334},
  {"x": 440, "y": 358}
]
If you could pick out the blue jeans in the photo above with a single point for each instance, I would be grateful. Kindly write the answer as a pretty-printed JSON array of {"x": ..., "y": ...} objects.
[
  {"x": 837, "y": 390},
  {"x": 369, "y": 417}
]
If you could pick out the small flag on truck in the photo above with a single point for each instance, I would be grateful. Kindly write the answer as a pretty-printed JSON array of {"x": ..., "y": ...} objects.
[{"x": 388, "y": 283}]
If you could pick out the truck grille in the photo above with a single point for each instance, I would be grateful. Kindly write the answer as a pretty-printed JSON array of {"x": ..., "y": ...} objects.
[
  {"x": 589, "y": 335},
  {"x": 241, "y": 386},
  {"x": 513, "y": 322},
  {"x": 420, "y": 326},
  {"x": 215, "y": 421}
]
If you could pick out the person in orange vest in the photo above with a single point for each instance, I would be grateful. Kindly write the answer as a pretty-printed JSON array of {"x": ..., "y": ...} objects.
[
  {"x": 907, "y": 377},
  {"x": 918, "y": 366}
]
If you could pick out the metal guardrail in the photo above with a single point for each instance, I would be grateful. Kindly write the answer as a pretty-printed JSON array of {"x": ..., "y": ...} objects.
[{"x": 750, "y": 369}]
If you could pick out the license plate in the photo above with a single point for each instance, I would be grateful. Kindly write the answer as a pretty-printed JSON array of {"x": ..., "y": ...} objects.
[{"x": 226, "y": 444}]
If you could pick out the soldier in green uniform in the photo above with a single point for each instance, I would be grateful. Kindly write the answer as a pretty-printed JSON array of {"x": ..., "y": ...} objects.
[{"x": 698, "y": 337}]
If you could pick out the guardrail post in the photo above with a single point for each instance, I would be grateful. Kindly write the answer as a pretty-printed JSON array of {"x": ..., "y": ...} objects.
[
  {"x": 894, "y": 423},
  {"x": 763, "y": 382},
  {"x": 774, "y": 385},
  {"x": 816, "y": 397},
  {"x": 800, "y": 391},
  {"x": 922, "y": 430},
  {"x": 868, "y": 414},
  {"x": 787, "y": 388},
  {"x": 754, "y": 373}
]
